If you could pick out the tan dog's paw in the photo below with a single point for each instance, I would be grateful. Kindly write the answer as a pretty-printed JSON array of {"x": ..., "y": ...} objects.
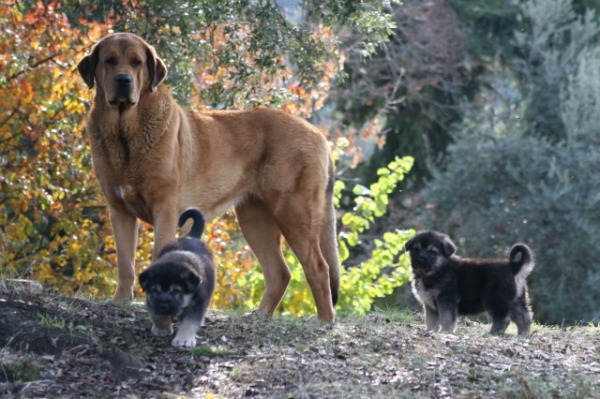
[
  {"x": 161, "y": 333},
  {"x": 315, "y": 320},
  {"x": 184, "y": 342},
  {"x": 257, "y": 314},
  {"x": 123, "y": 294},
  {"x": 323, "y": 319}
]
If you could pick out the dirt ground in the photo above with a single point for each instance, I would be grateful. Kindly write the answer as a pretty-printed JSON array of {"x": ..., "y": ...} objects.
[{"x": 59, "y": 347}]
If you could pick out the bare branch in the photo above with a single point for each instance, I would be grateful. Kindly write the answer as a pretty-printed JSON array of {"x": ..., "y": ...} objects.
[{"x": 33, "y": 66}]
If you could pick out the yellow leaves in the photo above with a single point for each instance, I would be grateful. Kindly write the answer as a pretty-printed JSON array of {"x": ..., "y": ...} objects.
[
  {"x": 59, "y": 89},
  {"x": 45, "y": 273},
  {"x": 212, "y": 396}
]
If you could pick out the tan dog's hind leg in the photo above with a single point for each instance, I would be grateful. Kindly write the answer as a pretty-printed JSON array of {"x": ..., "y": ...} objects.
[
  {"x": 126, "y": 234},
  {"x": 317, "y": 274},
  {"x": 263, "y": 236},
  {"x": 301, "y": 222}
]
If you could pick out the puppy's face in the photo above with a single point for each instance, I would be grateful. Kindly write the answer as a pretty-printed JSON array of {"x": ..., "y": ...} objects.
[
  {"x": 169, "y": 288},
  {"x": 429, "y": 252}
]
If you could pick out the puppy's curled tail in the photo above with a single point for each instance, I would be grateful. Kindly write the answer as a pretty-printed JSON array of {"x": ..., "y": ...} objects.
[
  {"x": 522, "y": 267},
  {"x": 197, "y": 226}
]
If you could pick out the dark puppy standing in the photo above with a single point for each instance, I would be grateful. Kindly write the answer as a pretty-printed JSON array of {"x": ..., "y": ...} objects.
[
  {"x": 180, "y": 283},
  {"x": 448, "y": 285}
]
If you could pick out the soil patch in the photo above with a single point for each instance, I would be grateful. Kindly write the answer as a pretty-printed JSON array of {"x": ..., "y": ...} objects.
[{"x": 55, "y": 346}]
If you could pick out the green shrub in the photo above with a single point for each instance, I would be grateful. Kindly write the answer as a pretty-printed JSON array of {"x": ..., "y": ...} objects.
[
  {"x": 376, "y": 277},
  {"x": 508, "y": 181}
]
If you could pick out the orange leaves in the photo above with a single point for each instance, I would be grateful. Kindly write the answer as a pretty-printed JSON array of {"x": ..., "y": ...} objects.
[
  {"x": 31, "y": 18},
  {"x": 235, "y": 264}
]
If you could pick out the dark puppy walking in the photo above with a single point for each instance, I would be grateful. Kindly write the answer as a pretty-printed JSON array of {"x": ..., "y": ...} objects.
[
  {"x": 180, "y": 283},
  {"x": 448, "y": 285}
]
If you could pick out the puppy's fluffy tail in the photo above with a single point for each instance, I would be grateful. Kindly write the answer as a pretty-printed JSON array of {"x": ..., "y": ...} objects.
[
  {"x": 197, "y": 226},
  {"x": 522, "y": 267}
]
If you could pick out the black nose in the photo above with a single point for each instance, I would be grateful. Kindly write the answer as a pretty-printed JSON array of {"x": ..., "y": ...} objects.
[
  {"x": 123, "y": 80},
  {"x": 164, "y": 307}
]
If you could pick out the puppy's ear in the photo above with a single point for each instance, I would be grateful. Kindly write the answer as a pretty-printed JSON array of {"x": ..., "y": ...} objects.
[
  {"x": 409, "y": 243},
  {"x": 192, "y": 281},
  {"x": 144, "y": 279},
  {"x": 448, "y": 246},
  {"x": 87, "y": 66},
  {"x": 156, "y": 68}
]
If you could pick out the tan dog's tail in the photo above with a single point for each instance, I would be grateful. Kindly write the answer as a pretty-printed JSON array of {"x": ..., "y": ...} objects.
[
  {"x": 198, "y": 222},
  {"x": 328, "y": 240},
  {"x": 522, "y": 267}
]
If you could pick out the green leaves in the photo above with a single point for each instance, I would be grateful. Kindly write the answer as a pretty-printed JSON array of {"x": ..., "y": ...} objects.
[
  {"x": 385, "y": 269},
  {"x": 372, "y": 202},
  {"x": 262, "y": 39},
  {"x": 378, "y": 276}
]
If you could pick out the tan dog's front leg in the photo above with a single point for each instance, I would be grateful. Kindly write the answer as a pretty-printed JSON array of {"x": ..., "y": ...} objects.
[
  {"x": 165, "y": 227},
  {"x": 126, "y": 235}
]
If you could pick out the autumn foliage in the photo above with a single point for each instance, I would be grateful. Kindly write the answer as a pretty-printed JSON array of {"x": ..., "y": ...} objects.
[{"x": 54, "y": 223}]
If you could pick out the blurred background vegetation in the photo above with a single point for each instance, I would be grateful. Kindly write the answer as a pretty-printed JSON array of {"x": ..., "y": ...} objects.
[{"x": 477, "y": 118}]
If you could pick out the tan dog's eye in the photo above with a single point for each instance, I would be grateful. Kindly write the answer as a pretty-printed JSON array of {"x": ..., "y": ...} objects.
[
  {"x": 111, "y": 61},
  {"x": 136, "y": 62}
]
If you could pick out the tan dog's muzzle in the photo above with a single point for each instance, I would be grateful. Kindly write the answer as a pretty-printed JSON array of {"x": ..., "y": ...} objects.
[{"x": 123, "y": 84}]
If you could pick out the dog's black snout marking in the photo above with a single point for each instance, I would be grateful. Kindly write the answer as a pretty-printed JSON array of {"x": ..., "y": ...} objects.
[
  {"x": 123, "y": 80},
  {"x": 164, "y": 307}
]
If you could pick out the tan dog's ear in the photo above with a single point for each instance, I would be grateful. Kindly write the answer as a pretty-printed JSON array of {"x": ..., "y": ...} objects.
[
  {"x": 156, "y": 68},
  {"x": 87, "y": 66}
]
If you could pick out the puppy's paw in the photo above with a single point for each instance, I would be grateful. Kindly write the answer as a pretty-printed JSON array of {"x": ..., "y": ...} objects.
[
  {"x": 160, "y": 332},
  {"x": 450, "y": 331},
  {"x": 184, "y": 342}
]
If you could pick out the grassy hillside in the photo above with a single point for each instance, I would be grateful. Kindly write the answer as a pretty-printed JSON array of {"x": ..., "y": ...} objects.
[{"x": 59, "y": 347}]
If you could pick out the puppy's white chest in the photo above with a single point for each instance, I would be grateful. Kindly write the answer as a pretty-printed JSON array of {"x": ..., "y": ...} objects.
[{"x": 428, "y": 297}]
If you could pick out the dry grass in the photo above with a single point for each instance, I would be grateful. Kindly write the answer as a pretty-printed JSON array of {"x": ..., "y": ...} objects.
[{"x": 105, "y": 350}]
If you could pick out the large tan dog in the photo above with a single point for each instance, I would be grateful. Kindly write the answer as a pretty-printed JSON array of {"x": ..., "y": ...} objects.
[{"x": 154, "y": 159}]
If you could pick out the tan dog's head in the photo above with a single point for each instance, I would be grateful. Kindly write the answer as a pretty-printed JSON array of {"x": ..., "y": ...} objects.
[{"x": 122, "y": 66}]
